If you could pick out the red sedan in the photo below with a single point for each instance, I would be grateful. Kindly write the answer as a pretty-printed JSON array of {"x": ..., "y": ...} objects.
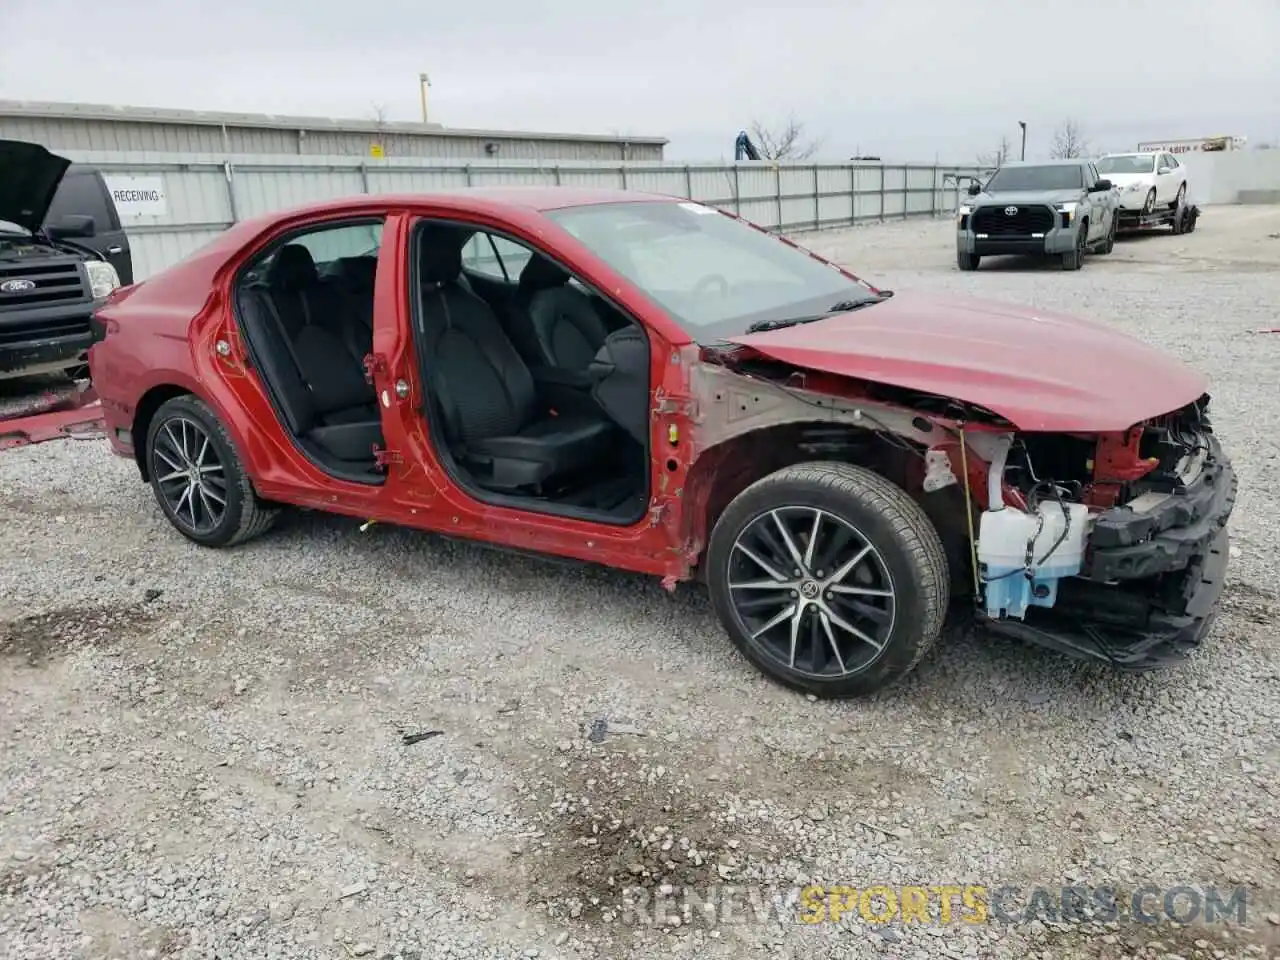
[{"x": 657, "y": 386}]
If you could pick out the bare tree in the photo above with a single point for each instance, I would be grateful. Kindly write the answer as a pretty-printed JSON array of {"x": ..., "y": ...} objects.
[
  {"x": 997, "y": 157},
  {"x": 787, "y": 142},
  {"x": 1069, "y": 141}
]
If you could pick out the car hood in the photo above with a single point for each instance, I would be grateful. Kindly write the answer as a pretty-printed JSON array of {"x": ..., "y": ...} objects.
[
  {"x": 29, "y": 177},
  {"x": 1124, "y": 179},
  {"x": 1038, "y": 369},
  {"x": 1025, "y": 196}
]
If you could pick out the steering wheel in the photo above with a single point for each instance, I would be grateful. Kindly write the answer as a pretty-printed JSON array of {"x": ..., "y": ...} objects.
[{"x": 712, "y": 279}]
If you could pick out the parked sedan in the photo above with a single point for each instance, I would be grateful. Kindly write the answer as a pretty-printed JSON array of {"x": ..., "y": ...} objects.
[
  {"x": 1146, "y": 182},
  {"x": 660, "y": 387}
]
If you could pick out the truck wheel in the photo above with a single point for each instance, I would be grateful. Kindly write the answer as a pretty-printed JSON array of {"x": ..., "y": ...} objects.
[
  {"x": 1075, "y": 259},
  {"x": 828, "y": 578},
  {"x": 198, "y": 478},
  {"x": 967, "y": 261},
  {"x": 1110, "y": 243}
]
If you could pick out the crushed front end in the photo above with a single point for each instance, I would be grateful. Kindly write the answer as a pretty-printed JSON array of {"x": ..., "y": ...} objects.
[{"x": 1110, "y": 547}]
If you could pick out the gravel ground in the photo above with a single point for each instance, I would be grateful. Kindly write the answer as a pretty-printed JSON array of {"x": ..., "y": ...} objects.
[{"x": 201, "y": 752}]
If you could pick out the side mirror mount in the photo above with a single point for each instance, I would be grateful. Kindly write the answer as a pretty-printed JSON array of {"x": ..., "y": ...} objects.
[
  {"x": 71, "y": 226},
  {"x": 1102, "y": 186},
  {"x": 974, "y": 189},
  {"x": 1164, "y": 170}
]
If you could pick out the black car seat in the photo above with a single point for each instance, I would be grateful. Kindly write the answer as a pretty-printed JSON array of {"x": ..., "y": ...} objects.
[
  {"x": 564, "y": 330},
  {"x": 481, "y": 390},
  {"x": 319, "y": 384}
]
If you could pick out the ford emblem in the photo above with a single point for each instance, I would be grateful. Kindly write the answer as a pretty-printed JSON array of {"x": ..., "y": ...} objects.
[
  {"x": 1010, "y": 211},
  {"x": 17, "y": 286}
]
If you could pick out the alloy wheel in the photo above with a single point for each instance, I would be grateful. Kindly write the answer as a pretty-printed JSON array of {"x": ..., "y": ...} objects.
[
  {"x": 811, "y": 591},
  {"x": 189, "y": 476}
]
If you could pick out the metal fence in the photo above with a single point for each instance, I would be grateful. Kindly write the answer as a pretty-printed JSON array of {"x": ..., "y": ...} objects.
[{"x": 204, "y": 195}]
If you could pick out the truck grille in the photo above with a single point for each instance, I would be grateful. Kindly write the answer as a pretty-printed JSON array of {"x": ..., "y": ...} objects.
[
  {"x": 54, "y": 283},
  {"x": 12, "y": 334},
  {"x": 996, "y": 221}
]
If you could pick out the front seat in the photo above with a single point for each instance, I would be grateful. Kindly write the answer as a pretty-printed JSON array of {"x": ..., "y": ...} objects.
[
  {"x": 482, "y": 392},
  {"x": 565, "y": 332}
]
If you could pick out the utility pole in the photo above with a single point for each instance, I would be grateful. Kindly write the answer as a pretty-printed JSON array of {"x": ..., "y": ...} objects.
[
  {"x": 423, "y": 82},
  {"x": 1021, "y": 123}
]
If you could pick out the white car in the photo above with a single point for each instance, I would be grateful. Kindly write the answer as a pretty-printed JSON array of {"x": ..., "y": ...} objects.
[{"x": 1146, "y": 181}]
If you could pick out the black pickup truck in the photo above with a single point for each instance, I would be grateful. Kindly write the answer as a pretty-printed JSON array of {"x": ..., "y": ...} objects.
[{"x": 52, "y": 272}]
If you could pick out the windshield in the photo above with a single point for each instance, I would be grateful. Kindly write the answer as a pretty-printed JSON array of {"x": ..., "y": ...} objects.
[
  {"x": 1057, "y": 176},
  {"x": 715, "y": 275},
  {"x": 1130, "y": 163}
]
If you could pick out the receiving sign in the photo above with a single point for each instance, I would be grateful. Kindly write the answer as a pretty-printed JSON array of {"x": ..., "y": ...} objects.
[{"x": 137, "y": 196}]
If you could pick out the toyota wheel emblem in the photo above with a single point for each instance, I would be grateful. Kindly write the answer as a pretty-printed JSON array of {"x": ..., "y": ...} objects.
[{"x": 1010, "y": 211}]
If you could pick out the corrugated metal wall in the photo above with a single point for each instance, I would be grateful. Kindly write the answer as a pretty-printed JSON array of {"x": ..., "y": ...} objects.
[
  {"x": 207, "y": 194},
  {"x": 124, "y": 135}
]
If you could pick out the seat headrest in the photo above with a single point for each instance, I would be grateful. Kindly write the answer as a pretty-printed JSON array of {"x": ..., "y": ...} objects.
[
  {"x": 293, "y": 268},
  {"x": 542, "y": 274},
  {"x": 440, "y": 254}
]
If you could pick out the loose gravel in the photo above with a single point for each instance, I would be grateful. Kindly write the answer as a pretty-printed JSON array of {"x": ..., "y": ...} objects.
[{"x": 204, "y": 753}]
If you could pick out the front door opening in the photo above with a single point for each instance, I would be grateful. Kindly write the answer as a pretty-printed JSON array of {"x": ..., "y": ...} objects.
[{"x": 537, "y": 387}]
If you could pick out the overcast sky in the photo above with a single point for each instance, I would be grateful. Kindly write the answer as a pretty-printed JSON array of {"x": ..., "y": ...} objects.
[{"x": 913, "y": 79}]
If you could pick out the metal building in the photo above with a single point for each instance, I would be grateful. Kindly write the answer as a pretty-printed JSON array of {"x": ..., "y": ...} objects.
[{"x": 94, "y": 127}]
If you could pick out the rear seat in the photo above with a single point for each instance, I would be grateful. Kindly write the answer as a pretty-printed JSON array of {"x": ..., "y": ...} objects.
[{"x": 308, "y": 334}]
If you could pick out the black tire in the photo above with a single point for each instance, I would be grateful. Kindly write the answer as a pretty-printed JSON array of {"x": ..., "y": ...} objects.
[
  {"x": 1149, "y": 205},
  {"x": 967, "y": 261},
  {"x": 880, "y": 515},
  {"x": 1181, "y": 196},
  {"x": 1074, "y": 260},
  {"x": 244, "y": 515},
  {"x": 1110, "y": 243}
]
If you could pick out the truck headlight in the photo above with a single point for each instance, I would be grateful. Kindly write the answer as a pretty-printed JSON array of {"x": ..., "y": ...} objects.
[
  {"x": 102, "y": 278},
  {"x": 1068, "y": 207}
]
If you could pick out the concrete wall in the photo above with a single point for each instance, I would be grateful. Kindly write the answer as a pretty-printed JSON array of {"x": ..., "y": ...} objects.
[
  {"x": 204, "y": 194},
  {"x": 1233, "y": 176}
]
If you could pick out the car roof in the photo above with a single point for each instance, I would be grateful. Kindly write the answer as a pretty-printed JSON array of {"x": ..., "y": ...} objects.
[
  {"x": 535, "y": 198},
  {"x": 1132, "y": 153}
]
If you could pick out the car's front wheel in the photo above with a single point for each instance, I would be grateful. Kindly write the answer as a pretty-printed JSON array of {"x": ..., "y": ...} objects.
[
  {"x": 828, "y": 578},
  {"x": 198, "y": 478},
  {"x": 967, "y": 261},
  {"x": 1150, "y": 204}
]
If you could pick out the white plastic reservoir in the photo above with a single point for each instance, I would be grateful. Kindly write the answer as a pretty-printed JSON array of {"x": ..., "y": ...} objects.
[{"x": 1012, "y": 582}]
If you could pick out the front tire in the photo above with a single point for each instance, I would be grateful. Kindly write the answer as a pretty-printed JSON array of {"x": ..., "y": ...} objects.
[
  {"x": 1182, "y": 195},
  {"x": 198, "y": 478},
  {"x": 828, "y": 578},
  {"x": 967, "y": 261},
  {"x": 1149, "y": 205},
  {"x": 1074, "y": 260}
]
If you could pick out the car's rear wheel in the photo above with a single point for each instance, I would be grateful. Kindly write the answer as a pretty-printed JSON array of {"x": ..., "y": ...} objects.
[
  {"x": 967, "y": 261},
  {"x": 828, "y": 578},
  {"x": 198, "y": 478}
]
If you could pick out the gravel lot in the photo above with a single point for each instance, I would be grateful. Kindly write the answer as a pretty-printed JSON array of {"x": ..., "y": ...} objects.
[{"x": 201, "y": 752}]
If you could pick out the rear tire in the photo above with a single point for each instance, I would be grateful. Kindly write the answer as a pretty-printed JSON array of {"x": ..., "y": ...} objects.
[
  {"x": 967, "y": 261},
  {"x": 871, "y": 593},
  {"x": 199, "y": 479}
]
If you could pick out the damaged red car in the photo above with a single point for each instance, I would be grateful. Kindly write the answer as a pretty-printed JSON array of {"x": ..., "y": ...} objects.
[{"x": 661, "y": 387}]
